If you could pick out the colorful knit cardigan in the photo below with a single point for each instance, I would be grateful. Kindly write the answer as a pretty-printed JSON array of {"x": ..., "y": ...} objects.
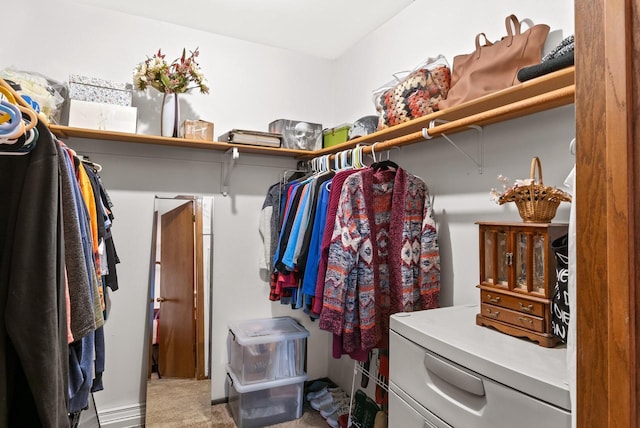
[{"x": 383, "y": 257}]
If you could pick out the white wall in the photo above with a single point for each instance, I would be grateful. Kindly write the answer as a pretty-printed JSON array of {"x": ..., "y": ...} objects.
[
  {"x": 425, "y": 29},
  {"x": 251, "y": 86}
]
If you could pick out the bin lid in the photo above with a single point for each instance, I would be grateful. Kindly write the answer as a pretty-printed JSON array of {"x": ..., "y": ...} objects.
[
  {"x": 344, "y": 126},
  {"x": 255, "y": 332},
  {"x": 259, "y": 386}
]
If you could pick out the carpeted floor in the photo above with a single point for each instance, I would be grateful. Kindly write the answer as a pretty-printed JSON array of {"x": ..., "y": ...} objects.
[{"x": 176, "y": 403}]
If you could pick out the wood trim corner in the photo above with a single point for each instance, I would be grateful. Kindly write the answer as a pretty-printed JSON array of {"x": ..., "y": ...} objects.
[{"x": 606, "y": 173}]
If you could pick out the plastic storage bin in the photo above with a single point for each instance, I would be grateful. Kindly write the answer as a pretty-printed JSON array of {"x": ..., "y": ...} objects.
[
  {"x": 266, "y": 349},
  {"x": 265, "y": 403},
  {"x": 336, "y": 135}
]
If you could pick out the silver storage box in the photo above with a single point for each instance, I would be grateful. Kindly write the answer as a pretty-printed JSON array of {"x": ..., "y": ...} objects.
[{"x": 298, "y": 135}]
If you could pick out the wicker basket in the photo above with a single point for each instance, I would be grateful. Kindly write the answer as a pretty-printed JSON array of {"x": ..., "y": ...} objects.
[{"x": 536, "y": 202}]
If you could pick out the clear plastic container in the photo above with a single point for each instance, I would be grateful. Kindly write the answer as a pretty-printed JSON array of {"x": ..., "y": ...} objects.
[
  {"x": 267, "y": 349},
  {"x": 265, "y": 403}
]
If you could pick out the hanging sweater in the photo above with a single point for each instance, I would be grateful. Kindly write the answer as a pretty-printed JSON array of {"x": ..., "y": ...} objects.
[
  {"x": 383, "y": 257},
  {"x": 82, "y": 319},
  {"x": 334, "y": 199},
  {"x": 33, "y": 321}
]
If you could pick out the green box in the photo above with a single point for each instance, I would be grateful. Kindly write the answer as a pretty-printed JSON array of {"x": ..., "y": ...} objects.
[{"x": 336, "y": 135}]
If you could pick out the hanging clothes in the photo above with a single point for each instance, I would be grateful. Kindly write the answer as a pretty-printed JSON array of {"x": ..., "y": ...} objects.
[
  {"x": 383, "y": 257},
  {"x": 82, "y": 320},
  {"x": 332, "y": 209},
  {"x": 33, "y": 322},
  {"x": 57, "y": 258},
  {"x": 353, "y": 247}
]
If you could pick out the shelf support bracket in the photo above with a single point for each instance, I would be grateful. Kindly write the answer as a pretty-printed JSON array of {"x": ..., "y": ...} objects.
[
  {"x": 230, "y": 157},
  {"x": 479, "y": 161}
]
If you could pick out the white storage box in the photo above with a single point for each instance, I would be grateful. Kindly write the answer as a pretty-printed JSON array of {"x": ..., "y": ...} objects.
[
  {"x": 104, "y": 117},
  {"x": 267, "y": 349},
  {"x": 265, "y": 403},
  {"x": 86, "y": 88}
]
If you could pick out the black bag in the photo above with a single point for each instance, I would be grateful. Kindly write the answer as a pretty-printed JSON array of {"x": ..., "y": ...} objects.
[{"x": 560, "y": 302}]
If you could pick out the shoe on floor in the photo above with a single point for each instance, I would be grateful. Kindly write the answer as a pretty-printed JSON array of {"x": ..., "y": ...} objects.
[
  {"x": 313, "y": 395},
  {"x": 326, "y": 399},
  {"x": 381, "y": 420},
  {"x": 339, "y": 418},
  {"x": 316, "y": 385},
  {"x": 336, "y": 408}
]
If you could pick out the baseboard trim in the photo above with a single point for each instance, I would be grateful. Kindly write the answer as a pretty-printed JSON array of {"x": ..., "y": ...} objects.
[{"x": 123, "y": 417}]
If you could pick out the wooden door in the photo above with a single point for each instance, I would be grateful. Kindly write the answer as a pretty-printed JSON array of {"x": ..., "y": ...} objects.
[{"x": 177, "y": 330}]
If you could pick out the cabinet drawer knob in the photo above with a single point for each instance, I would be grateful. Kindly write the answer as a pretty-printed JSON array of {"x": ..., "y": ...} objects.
[
  {"x": 493, "y": 299},
  {"x": 527, "y": 308},
  {"x": 495, "y": 314},
  {"x": 525, "y": 319}
]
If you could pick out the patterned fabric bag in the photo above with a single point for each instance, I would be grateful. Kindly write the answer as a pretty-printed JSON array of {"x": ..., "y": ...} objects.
[
  {"x": 416, "y": 94},
  {"x": 560, "y": 302}
]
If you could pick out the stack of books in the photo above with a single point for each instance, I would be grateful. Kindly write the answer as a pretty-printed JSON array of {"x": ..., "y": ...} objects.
[{"x": 254, "y": 138}]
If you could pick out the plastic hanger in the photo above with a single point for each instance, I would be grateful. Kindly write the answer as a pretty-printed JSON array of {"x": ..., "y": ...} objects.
[
  {"x": 572, "y": 147},
  {"x": 359, "y": 150},
  {"x": 11, "y": 111},
  {"x": 95, "y": 166},
  {"x": 23, "y": 145},
  {"x": 4, "y": 117}
]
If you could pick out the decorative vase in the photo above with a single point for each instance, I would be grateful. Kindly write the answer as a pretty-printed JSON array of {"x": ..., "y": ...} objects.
[{"x": 170, "y": 115}]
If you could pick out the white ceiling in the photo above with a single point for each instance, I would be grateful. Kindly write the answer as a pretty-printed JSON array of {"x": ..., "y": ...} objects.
[{"x": 322, "y": 28}]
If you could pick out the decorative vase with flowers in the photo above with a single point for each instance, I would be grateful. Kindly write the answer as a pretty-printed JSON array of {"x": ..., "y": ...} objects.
[{"x": 172, "y": 79}]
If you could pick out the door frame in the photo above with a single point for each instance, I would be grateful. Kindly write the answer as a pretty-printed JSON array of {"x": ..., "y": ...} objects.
[
  {"x": 199, "y": 340},
  {"x": 607, "y": 223}
]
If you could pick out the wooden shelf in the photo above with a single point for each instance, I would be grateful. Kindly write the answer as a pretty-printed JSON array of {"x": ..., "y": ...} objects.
[
  {"x": 67, "y": 132},
  {"x": 536, "y": 95},
  {"x": 533, "y": 96}
]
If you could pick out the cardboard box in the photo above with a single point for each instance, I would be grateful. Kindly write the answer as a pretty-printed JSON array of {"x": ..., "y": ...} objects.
[
  {"x": 197, "y": 130},
  {"x": 85, "y": 88},
  {"x": 104, "y": 117},
  {"x": 298, "y": 135},
  {"x": 336, "y": 135}
]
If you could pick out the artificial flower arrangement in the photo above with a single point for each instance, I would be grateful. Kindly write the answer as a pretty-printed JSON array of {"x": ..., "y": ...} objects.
[
  {"x": 508, "y": 192},
  {"x": 536, "y": 202},
  {"x": 171, "y": 78}
]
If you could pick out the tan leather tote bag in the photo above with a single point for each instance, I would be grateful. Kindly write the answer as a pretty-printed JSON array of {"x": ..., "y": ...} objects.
[{"x": 494, "y": 66}]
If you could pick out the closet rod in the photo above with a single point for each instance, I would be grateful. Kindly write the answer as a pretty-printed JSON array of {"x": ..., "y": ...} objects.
[
  {"x": 552, "y": 99},
  {"x": 21, "y": 101}
]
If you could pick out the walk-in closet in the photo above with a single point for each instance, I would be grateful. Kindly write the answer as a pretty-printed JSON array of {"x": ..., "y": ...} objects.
[{"x": 246, "y": 221}]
